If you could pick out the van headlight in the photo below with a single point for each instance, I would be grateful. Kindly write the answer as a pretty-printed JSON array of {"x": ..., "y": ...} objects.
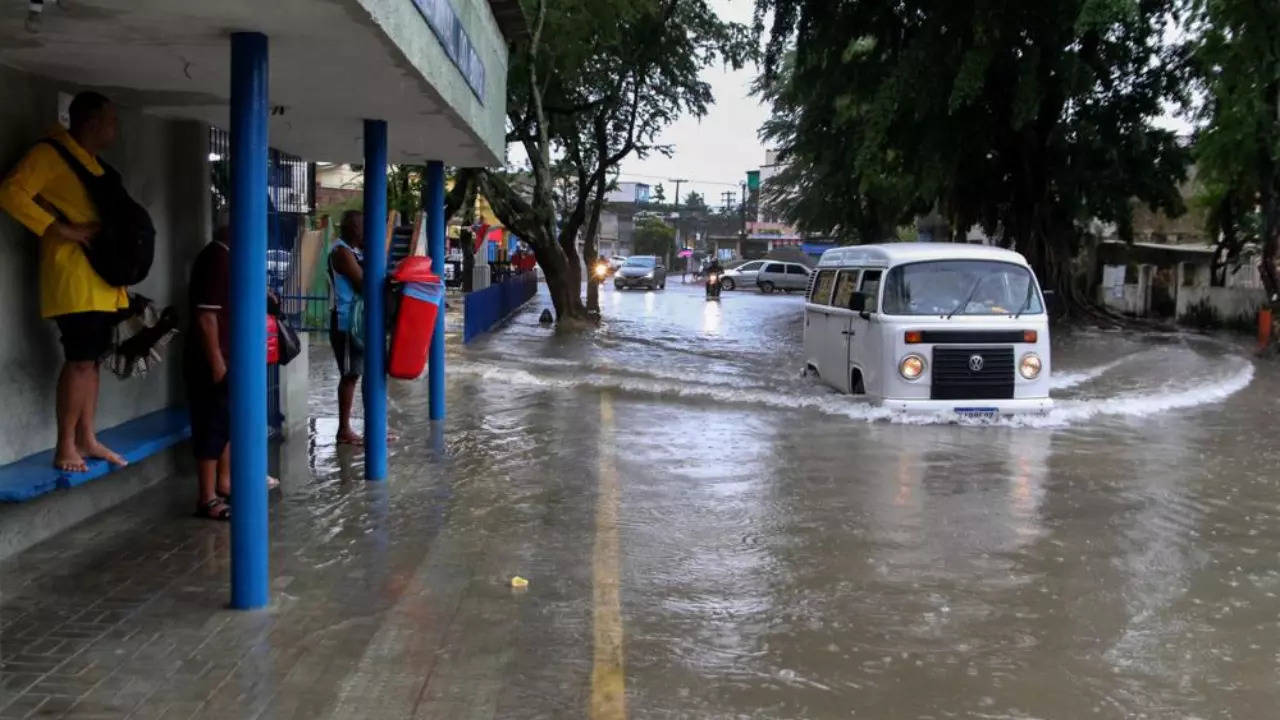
[
  {"x": 1030, "y": 365},
  {"x": 911, "y": 367}
]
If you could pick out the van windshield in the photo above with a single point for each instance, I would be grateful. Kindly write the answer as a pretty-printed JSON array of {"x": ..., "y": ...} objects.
[{"x": 961, "y": 287}]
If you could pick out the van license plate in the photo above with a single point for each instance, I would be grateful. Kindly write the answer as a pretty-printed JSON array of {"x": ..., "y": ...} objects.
[{"x": 977, "y": 412}]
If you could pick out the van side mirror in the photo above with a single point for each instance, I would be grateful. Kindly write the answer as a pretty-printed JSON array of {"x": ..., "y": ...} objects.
[
  {"x": 858, "y": 302},
  {"x": 1051, "y": 301}
]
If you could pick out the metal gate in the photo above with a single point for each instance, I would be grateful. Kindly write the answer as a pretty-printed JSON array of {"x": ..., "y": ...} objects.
[{"x": 290, "y": 206}]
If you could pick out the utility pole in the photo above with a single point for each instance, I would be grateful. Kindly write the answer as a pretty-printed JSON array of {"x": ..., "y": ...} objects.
[
  {"x": 677, "y": 181},
  {"x": 726, "y": 199}
]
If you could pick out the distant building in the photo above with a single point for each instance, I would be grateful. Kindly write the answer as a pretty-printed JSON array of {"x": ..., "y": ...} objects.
[
  {"x": 629, "y": 192},
  {"x": 768, "y": 171},
  {"x": 337, "y": 183}
]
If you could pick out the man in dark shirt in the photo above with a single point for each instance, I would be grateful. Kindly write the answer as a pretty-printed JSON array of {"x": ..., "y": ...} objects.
[{"x": 205, "y": 370}]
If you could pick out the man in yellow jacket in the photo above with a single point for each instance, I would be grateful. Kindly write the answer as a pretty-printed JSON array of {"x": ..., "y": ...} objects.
[{"x": 43, "y": 193}]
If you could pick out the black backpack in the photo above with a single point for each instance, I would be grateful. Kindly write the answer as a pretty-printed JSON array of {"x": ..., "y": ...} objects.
[{"x": 125, "y": 246}]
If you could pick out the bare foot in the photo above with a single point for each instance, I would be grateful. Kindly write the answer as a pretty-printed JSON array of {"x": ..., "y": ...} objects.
[
  {"x": 102, "y": 452},
  {"x": 69, "y": 461},
  {"x": 350, "y": 437}
]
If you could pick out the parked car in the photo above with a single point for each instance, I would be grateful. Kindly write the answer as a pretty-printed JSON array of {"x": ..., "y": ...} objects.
[
  {"x": 782, "y": 276},
  {"x": 644, "y": 271},
  {"x": 277, "y": 268},
  {"x": 742, "y": 276}
]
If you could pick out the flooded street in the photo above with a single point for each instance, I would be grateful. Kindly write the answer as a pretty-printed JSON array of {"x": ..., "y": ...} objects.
[
  {"x": 705, "y": 534},
  {"x": 783, "y": 551}
]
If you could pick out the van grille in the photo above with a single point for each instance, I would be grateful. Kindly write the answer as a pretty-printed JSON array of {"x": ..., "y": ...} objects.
[{"x": 953, "y": 378}]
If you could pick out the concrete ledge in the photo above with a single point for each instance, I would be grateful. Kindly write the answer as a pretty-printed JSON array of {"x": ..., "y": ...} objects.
[
  {"x": 25, "y": 524},
  {"x": 136, "y": 440}
]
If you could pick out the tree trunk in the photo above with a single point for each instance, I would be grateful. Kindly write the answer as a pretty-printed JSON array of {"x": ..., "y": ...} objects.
[
  {"x": 590, "y": 246},
  {"x": 1269, "y": 186},
  {"x": 462, "y": 197},
  {"x": 468, "y": 240},
  {"x": 536, "y": 229}
]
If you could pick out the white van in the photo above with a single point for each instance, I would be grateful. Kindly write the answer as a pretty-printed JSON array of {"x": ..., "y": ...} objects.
[{"x": 930, "y": 327}]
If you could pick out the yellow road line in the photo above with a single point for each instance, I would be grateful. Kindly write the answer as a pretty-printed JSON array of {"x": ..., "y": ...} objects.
[{"x": 608, "y": 678}]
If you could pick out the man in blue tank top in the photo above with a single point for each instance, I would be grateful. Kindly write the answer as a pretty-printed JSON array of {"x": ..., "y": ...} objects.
[{"x": 346, "y": 279}]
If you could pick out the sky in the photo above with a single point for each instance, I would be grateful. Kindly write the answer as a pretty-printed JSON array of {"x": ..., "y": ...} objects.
[{"x": 716, "y": 151}]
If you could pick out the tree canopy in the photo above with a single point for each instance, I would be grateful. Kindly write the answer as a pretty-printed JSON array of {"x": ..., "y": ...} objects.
[
  {"x": 659, "y": 194},
  {"x": 1029, "y": 119},
  {"x": 1237, "y": 63},
  {"x": 597, "y": 82},
  {"x": 653, "y": 236}
]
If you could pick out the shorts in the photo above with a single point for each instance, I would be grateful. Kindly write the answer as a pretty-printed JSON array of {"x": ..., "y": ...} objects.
[
  {"x": 86, "y": 336},
  {"x": 349, "y": 355},
  {"x": 210, "y": 407}
]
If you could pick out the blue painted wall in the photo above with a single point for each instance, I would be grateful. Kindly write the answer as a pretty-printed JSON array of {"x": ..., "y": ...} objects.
[{"x": 486, "y": 308}]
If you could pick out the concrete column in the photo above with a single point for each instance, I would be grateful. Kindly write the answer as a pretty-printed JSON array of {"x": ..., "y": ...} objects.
[
  {"x": 375, "y": 279},
  {"x": 433, "y": 200},
  {"x": 250, "y": 578}
]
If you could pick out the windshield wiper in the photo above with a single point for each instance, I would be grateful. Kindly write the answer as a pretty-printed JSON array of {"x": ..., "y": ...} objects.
[
  {"x": 973, "y": 291},
  {"x": 1026, "y": 302}
]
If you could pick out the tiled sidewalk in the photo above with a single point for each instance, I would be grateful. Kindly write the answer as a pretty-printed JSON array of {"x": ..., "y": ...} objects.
[{"x": 389, "y": 599}]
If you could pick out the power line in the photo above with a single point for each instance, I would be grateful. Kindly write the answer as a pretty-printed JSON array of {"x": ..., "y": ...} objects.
[{"x": 626, "y": 176}]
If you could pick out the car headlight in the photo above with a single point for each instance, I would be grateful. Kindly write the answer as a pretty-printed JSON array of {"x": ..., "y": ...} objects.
[
  {"x": 911, "y": 367},
  {"x": 1029, "y": 366}
]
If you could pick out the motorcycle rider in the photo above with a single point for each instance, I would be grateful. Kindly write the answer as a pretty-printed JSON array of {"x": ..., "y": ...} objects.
[{"x": 713, "y": 270}]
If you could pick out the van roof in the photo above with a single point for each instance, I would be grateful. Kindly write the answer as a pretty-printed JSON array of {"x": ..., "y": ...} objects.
[{"x": 891, "y": 254}]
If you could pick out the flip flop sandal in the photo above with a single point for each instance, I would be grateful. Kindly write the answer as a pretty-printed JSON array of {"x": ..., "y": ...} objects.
[
  {"x": 272, "y": 484},
  {"x": 215, "y": 509}
]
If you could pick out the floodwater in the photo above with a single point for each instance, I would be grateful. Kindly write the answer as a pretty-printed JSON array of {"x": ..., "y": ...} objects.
[
  {"x": 705, "y": 533},
  {"x": 709, "y": 534}
]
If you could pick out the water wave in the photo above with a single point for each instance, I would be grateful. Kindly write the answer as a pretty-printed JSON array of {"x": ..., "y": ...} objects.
[
  {"x": 1070, "y": 379},
  {"x": 1065, "y": 412}
]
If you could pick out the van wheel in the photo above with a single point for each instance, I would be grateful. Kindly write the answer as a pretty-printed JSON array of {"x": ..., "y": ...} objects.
[
  {"x": 766, "y": 287},
  {"x": 726, "y": 284},
  {"x": 855, "y": 383}
]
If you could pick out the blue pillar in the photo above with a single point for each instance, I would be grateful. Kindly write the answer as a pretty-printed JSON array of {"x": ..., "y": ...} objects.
[
  {"x": 248, "y": 333},
  {"x": 375, "y": 279},
  {"x": 433, "y": 198}
]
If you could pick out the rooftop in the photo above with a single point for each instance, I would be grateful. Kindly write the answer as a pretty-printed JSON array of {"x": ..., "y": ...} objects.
[{"x": 898, "y": 253}]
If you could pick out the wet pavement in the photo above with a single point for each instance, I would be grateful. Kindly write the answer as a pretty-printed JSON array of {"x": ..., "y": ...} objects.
[{"x": 706, "y": 534}]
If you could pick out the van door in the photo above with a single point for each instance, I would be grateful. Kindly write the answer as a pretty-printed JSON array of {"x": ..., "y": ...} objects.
[
  {"x": 865, "y": 344},
  {"x": 816, "y": 311},
  {"x": 839, "y": 328}
]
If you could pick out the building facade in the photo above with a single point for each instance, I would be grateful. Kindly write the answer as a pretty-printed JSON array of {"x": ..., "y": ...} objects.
[{"x": 346, "y": 81}]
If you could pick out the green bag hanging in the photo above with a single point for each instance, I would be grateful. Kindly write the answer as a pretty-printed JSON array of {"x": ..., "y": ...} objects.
[{"x": 357, "y": 322}]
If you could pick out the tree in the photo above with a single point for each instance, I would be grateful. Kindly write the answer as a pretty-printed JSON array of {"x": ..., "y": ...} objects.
[
  {"x": 596, "y": 82},
  {"x": 653, "y": 236},
  {"x": 694, "y": 201},
  {"x": 404, "y": 190},
  {"x": 1029, "y": 119},
  {"x": 1236, "y": 56},
  {"x": 659, "y": 194}
]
